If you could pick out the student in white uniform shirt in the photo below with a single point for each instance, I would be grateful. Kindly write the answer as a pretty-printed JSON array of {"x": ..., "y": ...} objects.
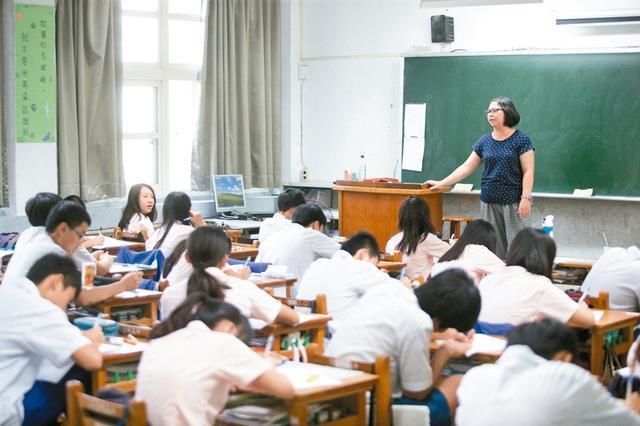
[
  {"x": 34, "y": 329},
  {"x": 417, "y": 239},
  {"x": 64, "y": 231},
  {"x": 178, "y": 221},
  {"x": 346, "y": 277},
  {"x": 288, "y": 201},
  {"x": 618, "y": 272},
  {"x": 394, "y": 321},
  {"x": 474, "y": 252},
  {"x": 534, "y": 383},
  {"x": 200, "y": 271},
  {"x": 37, "y": 209},
  {"x": 140, "y": 212},
  {"x": 194, "y": 359},
  {"x": 523, "y": 291},
  {"x": 299, "y": 243}
]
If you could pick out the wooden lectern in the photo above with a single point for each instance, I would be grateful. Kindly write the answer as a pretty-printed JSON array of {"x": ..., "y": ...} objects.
[{"x": 374, "y": 206}]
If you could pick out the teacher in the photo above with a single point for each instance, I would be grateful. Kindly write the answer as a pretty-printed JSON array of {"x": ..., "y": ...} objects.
[{"x": 507, "y": 179}]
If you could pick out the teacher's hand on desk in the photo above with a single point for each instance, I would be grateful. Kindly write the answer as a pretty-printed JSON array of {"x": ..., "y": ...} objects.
[{"x": 435, "y": 184}]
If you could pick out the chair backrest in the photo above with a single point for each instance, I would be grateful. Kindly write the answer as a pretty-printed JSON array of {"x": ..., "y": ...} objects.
[
  {"x": 317, "y": 305},
  {"x": 119, "y": 234},
  {"x": 600, "y": 302},
  {"x": 380, "y": 403},
  {"x": 87, "y": 410}
]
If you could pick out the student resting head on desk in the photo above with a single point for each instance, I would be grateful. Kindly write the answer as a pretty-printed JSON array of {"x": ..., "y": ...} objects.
[
  {"x": 195, "y": 358},
  {"x": 34, "y": 331},
  {"x": 178, "y": 221},
  {"x": 299, "y": 243},
  {"x": 140, "y": 212},
  {"x": 63, "y": 234},
  {"x": 288, "y": 201},
  {"x": 393, "y": 321},
  {"x": 417, "y": 239},
  {"x": 523, "y": 291},
  {"x": 347, "y": 276},
  {"x": 534, "y": 383},
  {"x": 474, "y": 252},
  {"x": 201, "y": 270}
]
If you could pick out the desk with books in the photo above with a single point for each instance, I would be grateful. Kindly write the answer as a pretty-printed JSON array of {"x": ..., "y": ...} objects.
[
  {"x": 606, "y": 322},
  {"x": 146, "y": 300}
]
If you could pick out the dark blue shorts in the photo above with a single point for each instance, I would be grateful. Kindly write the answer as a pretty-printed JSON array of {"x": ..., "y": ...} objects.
[{"x": 439, "y": 414}]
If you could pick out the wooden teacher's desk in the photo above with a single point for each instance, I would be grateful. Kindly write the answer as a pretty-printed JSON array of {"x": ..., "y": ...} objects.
[{"x": 374, "y": 206}]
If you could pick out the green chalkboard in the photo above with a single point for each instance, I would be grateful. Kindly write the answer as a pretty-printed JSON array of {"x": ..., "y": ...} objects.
[{"x": 582, "y": 112}]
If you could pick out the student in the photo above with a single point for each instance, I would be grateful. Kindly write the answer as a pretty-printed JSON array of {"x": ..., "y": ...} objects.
[
  {"x": 299, "y": 243},
  {"x": 347, "y": 276},
  {"x": 417, "y": 239},
  {"x": 200, "y": 270},
  {"x": 288, "y": 200},
  {"x": 618, "y": 272},
  {"x": 393, "y": 321},
  {"x": 534, "y": 383},
  {"x": 178, "y": 221},
  {"x": 474, "y": 252},
  {"x": 523, "y": 291},
  {"x": 63, "y": 234},
  {"x": 140, "y": 212},
  {"x": 195, "y": 358},
  {"x": 37, "y": 210},
  {"x": 34, "y": 329}
]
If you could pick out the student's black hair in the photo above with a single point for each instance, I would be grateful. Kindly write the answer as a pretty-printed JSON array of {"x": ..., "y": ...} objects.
[
  {"x": 414, "y": 220},
  {"x": 201, "y": 307},
  {"x": 511, "y": 114},
  {"x": 76, "y": 199},
  {"x": 478, "y": 232},
  {"x": 533, "y": 250},
  {"x": 39, "y": 206},
  {"x": 306, "y": 214},
  {"x": 133, "y": 205},
  {"x": 51, "y": 264},
  {"x": 67, "y": 212},
  {"x": 173, "y": 258},
  {"x": 452, "y": 298},
  {"x": 289, "y": 198},
  {"x": 546, "y": 337},
  {"x": 360, "y": 240},
  {"x": 175, "y": 209},
  {"x": 206, "y": 247}
]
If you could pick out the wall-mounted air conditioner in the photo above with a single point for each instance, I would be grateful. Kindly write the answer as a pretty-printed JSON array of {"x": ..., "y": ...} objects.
[{"x": 466, "y": 3}]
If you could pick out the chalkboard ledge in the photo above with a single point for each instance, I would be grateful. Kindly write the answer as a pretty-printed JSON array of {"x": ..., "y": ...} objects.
[{"x": 563, "y": 196}]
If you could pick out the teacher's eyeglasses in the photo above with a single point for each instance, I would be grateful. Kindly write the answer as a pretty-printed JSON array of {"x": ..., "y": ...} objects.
[{"x": 494, "y": 110}]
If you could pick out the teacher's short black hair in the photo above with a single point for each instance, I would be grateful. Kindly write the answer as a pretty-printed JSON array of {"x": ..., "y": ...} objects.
[
  {"x": 546, "y": 338},
  {"x": 452, "y": 298},
  {"x": 511, "y": 114}
]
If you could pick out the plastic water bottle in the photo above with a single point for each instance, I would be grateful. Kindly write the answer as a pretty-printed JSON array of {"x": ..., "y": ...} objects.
[
  {"x": 547, "y": 225},
  {"x": 362, "y": 168}
]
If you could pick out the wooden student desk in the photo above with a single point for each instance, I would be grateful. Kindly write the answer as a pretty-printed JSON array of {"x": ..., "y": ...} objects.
[
  {"x": 243, "y": 251},
  {"x": 391, "y": 266},
  {"x": 611, "y": 320},
  {"x": 148, "y": 299},
  {"x": 263, "y": 282},
  {"x": 115, "y": 355}
]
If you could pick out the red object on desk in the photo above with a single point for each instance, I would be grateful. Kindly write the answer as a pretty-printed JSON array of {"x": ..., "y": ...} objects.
[{"x": 383, "y": 180}]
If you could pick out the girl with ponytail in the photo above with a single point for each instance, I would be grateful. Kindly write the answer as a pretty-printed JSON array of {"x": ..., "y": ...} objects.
[
  {"x": 195, "y": 357},
  {"x": 200, "y": 270}
]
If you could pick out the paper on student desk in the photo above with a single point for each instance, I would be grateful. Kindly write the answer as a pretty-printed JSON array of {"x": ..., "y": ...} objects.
[
  {"x": 112, "y": 242},
  {"x": 139, "y": 292},
  {"x": 414, "y": 120},
  {"x": 305, "y": 376},
  {"x": 412, "y": 153},
  {"x": 597, "y": 314},
  {"x": 125, "y": 348},
  {"x": 483, "y": 343}
]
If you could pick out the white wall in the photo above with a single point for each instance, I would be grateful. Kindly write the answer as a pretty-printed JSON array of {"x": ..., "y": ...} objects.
[{"x": 353, "y": 51}]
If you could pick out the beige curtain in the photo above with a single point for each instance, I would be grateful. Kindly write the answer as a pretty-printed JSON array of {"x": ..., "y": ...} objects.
[
  {"x": 239, "y": 126},
  {"x": 89, "y": 98},
  {"x": 3, "y": 126}
]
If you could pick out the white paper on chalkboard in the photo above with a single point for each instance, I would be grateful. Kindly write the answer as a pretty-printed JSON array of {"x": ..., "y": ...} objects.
[
  {"x": 414, "y": 120},
  {"x": 412, "y": 153}
]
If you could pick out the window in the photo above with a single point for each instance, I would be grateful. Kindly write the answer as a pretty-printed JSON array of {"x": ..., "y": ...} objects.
[{"x": 162, "y": 47}]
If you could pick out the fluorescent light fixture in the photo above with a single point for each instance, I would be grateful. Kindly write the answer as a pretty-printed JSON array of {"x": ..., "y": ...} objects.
[{"x": 466, "y": 3}]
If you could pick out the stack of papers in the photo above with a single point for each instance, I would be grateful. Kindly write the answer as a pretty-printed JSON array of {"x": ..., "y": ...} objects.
[
  {"x": 125, "y": 348},
  {"x": 305, "y": 376}
]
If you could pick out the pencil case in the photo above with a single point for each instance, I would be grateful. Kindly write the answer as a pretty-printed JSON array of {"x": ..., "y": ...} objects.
[{"x": 109, "y": 327}]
